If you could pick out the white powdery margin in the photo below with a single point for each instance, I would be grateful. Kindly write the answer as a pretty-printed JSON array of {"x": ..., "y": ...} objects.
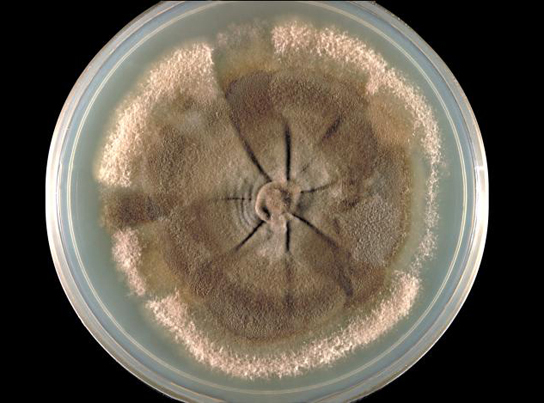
[
  {"x": 175, "y": 315},
  {"x": 127, "y": 253},
  {"x": 187, "y": 71},
  {"x": 296, "y": 40}
]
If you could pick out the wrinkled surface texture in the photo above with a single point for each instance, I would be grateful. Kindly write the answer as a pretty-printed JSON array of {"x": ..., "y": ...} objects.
[{"x": 258, "y": 192}]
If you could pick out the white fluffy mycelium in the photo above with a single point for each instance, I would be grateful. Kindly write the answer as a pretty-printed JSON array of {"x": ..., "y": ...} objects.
[{"x": 260, "y": 191}]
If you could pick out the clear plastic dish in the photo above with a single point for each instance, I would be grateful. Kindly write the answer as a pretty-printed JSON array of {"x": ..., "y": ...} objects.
[{"x": 81, "y": 248}]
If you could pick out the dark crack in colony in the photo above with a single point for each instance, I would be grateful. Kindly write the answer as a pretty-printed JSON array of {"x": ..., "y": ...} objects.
[{"x": 258, "y": 191}]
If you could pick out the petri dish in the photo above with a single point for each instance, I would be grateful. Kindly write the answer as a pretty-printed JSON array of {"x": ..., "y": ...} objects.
[{"x": 82, "y": 249}]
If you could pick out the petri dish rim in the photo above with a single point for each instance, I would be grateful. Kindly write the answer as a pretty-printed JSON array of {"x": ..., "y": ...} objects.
[{"x": 61, "y": 236}]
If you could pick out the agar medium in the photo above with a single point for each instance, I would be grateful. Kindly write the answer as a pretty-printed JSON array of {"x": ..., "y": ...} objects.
[{"x": 260, "y": 200}]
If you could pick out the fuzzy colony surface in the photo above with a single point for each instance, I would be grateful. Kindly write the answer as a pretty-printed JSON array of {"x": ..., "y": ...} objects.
[{"x": 259, "y": 190}]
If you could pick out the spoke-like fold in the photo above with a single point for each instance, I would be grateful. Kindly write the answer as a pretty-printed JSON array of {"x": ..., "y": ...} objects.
[
  {"x": 253, "y": 157},
  {"x": 234, "y": 198},
  {"x": 288, "y": 237},
  {"x": 340, "y": 257},
  {"x": 248, "y": 237},
  {"x": 287, "y": 152},
  {"x": 318, "y": 188},
  {"x": 325, "y": 237}
]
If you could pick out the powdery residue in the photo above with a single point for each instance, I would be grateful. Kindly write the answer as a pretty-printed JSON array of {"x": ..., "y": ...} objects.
[
  {"x": 175, "y": 315},
  {"x": 127, "y": 253},
  {"x": 188, "y": 71},
  {"x": 374, "y": 239}
]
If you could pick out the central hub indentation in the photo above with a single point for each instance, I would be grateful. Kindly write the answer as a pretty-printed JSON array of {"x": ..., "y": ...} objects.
[{"x": 275, "y": 200}]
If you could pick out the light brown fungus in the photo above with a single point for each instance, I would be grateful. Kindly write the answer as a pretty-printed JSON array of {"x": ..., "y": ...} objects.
[{"x": 258, "y": 200}]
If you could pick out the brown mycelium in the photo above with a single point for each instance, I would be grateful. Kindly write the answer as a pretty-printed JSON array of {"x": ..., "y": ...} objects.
[{"x": 258, "y": 191}]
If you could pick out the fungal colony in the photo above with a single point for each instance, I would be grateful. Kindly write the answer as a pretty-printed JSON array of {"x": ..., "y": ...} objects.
[{"x": 260, "y": 189}]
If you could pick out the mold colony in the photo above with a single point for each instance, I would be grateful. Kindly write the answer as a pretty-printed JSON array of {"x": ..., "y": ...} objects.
[{"x": 259, "y": 190}]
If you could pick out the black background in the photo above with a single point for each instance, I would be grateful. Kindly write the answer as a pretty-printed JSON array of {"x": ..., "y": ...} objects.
[{"x": 462, "y": 363}]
